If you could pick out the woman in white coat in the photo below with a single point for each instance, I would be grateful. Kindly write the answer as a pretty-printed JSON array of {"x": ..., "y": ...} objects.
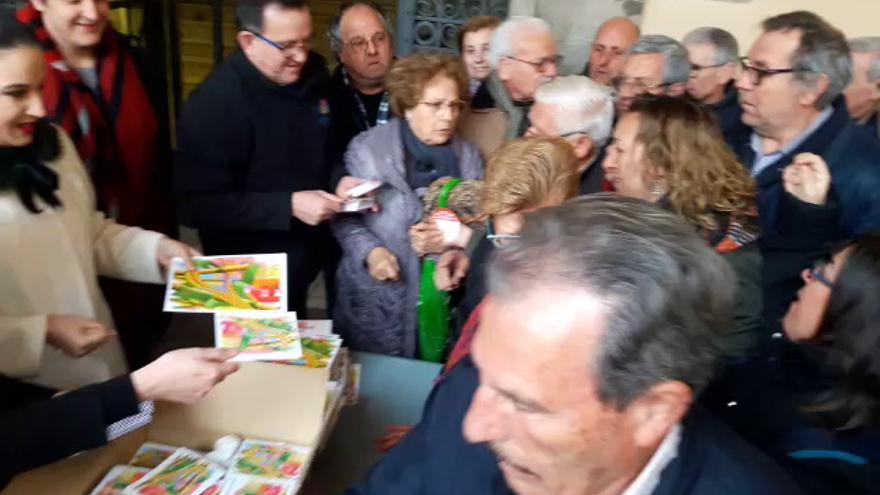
[{"x": 55, "y": 327}]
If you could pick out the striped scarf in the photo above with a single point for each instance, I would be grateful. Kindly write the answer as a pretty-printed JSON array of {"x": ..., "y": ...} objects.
[{"x": 114, "y": 126}]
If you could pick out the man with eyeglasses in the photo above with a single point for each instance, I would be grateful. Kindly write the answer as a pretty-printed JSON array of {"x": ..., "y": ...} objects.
[
  {"x": 581, "y": 111},
  {"x": 523, "y": 55},
  {"x": 790, "y": 89},
  {"x": 256, "y": 154},
  {"x": 361, "y": 39},
  {"x": 657, "y": 65},
  {"x": 714, "y": 57}
]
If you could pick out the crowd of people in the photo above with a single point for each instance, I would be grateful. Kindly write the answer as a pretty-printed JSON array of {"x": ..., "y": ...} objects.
[{"x": 702, "y": 319}]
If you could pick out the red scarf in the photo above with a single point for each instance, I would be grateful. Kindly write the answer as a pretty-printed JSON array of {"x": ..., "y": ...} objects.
[{"x": 115, "y": 128}]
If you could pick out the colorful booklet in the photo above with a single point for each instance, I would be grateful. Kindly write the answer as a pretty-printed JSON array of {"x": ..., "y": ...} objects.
[
  {"x": 258, "y": 335},
  {"x": 228, "y": 283},
  {"x": 186, "y": 472},
  {"x": 270, "y": 460},
  {"x": 150, "y": 455},
  {"x": 319, "y": 351},
  {"x": 255, "y": 485},
  {"x": 118, "y": 479}
]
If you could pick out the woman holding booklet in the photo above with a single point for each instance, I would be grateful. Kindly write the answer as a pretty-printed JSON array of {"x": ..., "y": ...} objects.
[{"x": 55, "y": 326}]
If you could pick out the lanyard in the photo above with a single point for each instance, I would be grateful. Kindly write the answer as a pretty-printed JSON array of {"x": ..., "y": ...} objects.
[{"x": 382, "y": 116}]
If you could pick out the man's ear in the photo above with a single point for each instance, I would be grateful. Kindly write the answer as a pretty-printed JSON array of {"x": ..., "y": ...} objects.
[
  {"x": 810, "y": 95},
  {"x": 245, "y": 40},
  {"x": 653, "y": 415},
  {"x": 584, "y": 149},
  {"x": 40, "y": 5},
  {"x": 727, "y": 73},
  {"x": 503, "y": 69}
]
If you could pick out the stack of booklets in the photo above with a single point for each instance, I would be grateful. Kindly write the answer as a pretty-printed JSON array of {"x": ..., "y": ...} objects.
[{"x": 255, "y": 467}]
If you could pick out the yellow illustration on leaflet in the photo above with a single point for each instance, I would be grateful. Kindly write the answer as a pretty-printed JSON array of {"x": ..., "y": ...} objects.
[{"x": 228, "y": 283}]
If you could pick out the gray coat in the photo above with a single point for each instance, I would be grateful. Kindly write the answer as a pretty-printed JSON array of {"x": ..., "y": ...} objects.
[{"x": 377, "y": 316}]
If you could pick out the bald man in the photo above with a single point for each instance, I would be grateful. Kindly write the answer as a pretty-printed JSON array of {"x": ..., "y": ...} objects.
[{"x": 612, "y": 42}]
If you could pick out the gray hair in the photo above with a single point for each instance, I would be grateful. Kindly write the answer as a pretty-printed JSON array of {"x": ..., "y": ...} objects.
[
  {"x": 677, "y": 65},
  {"x": 582, "y": 105},
  {"x": 502, "y": 40},
  {"x": 334, "y": 32},
  {"x": 726, "y": 47},
  {"x": 823, "y": 50},
  {"x": 869, "y": 45},
  {"x": 667, "y": 295}
]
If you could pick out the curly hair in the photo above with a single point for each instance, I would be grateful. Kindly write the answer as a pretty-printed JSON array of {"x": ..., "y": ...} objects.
[
  {"x": 528, "y": 173},
  {"x": 681, "y": 138},
  {"x": 408, "y": 77}
]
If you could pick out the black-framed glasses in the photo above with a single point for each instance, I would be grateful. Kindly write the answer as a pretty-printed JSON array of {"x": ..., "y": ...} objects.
[
  {"x": 541, "y": 65},
  {"x": 303, "y": 46},
  {"x": 817, "y": 273},
  {"x": 757, "y": 74},
  {"x": 360, "y": 43},
  {"x": 499, "y": 240}
]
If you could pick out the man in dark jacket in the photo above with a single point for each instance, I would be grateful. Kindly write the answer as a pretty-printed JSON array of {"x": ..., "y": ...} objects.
[
  {"x": 714, "y": 56},
  {"x": 255, "y": 148},
  {"x": 361, "y": 38},
  {"x": 790, "y": 93},
  {"x": 585, "y": 367}
]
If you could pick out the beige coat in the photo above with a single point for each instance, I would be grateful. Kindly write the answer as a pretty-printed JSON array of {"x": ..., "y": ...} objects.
[{"x": 50, "y": 264}]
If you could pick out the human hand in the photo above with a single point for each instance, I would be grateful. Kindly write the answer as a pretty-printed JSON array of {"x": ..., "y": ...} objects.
[
  {"x": 426, "y": 238},
  {"x": 314, "y": 207},
  {"x": 382, "y": 264},
  {"x": 184, "y": 375},
  {"x": 451, "y": 269},
  {"x": 808, "y": 178},
  {"x": 169, "y": 249},
  {"x": 76, "y": 336},
  {"x": 393, "y": 436},
  {"x": 347, "y": 183}
]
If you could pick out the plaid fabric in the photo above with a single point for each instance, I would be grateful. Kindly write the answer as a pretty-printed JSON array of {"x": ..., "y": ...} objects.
[{"x": 127, "y": 425}]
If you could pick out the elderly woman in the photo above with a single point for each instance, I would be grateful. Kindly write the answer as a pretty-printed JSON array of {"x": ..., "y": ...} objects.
[
  {"x": 670, "y": 151},
  {"x": 378, "y": 276},
  {"x": 473, "y": 43}
]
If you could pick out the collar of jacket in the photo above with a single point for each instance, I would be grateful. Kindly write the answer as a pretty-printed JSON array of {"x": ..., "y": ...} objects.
[
  {"x": 313, "y": 74},
  {"x": 816, "y": 143},
  {"x": 516, "y": 113},
  {"x": 731, "y": 97}
]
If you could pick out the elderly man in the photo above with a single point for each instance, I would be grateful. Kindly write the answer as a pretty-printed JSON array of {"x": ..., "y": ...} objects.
[
  {"x": 608, "y": 51},
  {"x": 655, "y": 64},
  {"x": 361, "y": 38},
  {"x": 255, "y": 152},
  {"x": 585, "y": 369},
  {"x": 523, "y": 56},
  {"x": 863, "y": 93},
  {"x": 790, "y": 90},
  {"x": 714, "y": 57},
  {"x": 581, "y": 111}
]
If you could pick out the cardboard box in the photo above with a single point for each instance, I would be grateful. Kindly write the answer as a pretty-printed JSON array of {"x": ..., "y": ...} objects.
[{"x": 263, "y": 401}]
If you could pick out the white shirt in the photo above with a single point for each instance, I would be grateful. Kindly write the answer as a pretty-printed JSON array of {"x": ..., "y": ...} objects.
[{"x": 649, "y": 478}]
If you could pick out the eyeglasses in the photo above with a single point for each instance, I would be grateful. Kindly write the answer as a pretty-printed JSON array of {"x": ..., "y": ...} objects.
[
  {"x": 300, "y": 46},
  {"x": 817, "y": 273},
  {"x": 757, "y": 74},
  {"x": 698, "y": 68},
  {"x": 436, "y": 106},
  {"x": 638, "y": 86},
  {"x": 542, "y": 65},
  {"x": 499, "y": 240},
  {"x": 360, "y": 43}
]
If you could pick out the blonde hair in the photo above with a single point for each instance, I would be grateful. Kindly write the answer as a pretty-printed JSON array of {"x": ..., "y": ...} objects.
[
  {"x": 682, "y": 138},
  {"x": 529, "y": 173},
  {"x": 408, "y": 77}
]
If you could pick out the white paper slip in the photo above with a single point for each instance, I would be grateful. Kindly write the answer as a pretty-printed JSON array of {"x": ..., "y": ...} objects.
[
  {"x": 364, "y": 188},
  {"x": 355, "y": 205}
]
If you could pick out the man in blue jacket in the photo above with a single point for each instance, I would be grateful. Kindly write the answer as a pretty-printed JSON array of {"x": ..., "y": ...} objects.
[
  {"x": 790, "y": 90},
  {"x": 585, "y": 369}
]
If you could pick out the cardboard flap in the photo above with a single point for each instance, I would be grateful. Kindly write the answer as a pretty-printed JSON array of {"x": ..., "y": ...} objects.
[{"x": 265, "y": 401}]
